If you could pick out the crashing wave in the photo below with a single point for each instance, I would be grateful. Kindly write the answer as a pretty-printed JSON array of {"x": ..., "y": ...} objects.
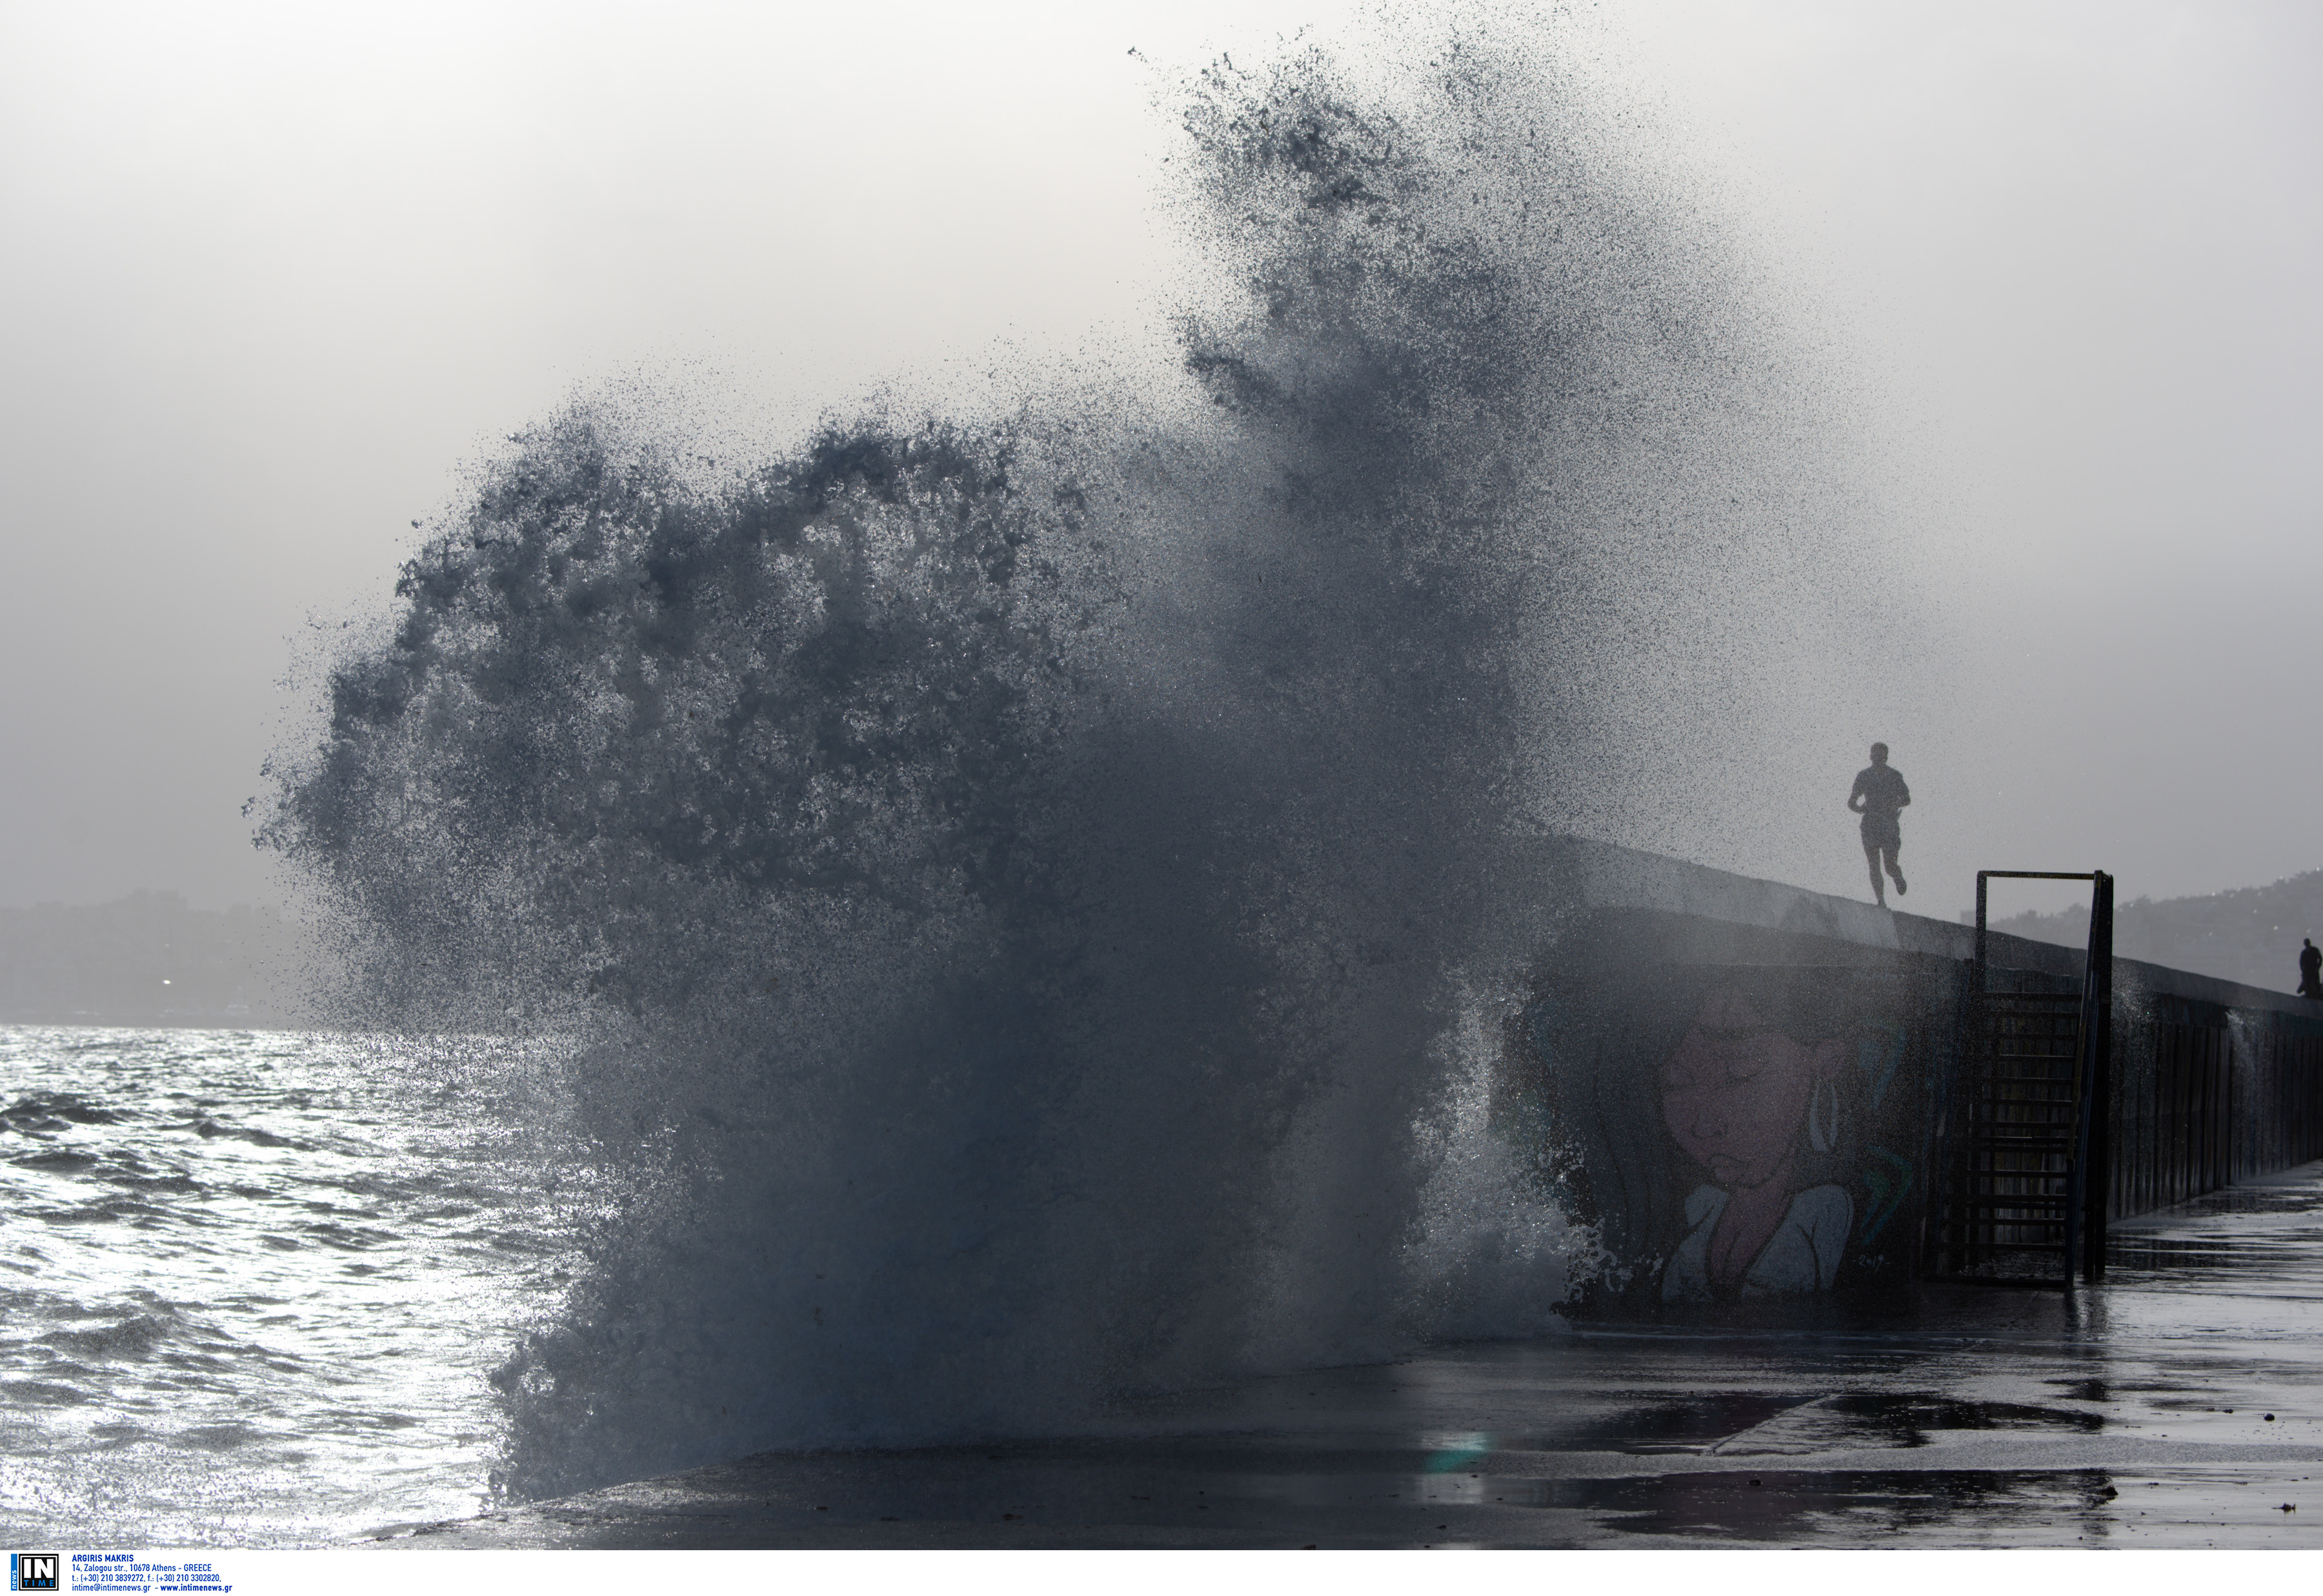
[{"x": 1027, "y": 899}]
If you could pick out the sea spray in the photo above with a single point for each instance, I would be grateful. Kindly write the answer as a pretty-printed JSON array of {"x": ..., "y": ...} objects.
[{"x": 1026, "y": 899}]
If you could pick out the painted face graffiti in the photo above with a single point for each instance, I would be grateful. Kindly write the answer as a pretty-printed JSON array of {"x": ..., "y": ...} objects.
[
  {"x": 1737, "y": 1092},
  {"x": 1741, "y": 1097}
]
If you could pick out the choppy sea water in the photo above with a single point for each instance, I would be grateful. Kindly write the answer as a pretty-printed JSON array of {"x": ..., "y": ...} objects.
[{"x": 256, "y": 1282}]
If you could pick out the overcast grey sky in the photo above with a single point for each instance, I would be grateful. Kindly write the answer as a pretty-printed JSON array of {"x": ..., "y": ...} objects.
[{"x": 273, "y": 273}]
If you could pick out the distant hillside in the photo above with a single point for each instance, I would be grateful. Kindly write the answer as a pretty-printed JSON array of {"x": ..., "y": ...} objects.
[
  {"x": 2250, "y": 935},
  {"x": 147, "y": 959}
]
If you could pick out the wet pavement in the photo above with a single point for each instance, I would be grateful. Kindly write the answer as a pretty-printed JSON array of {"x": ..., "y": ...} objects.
[{"x": 2180, "y": 1404}]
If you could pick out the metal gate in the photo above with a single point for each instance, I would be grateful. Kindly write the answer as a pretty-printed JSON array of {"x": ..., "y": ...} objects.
[{"x": 2023, "y": 1193}]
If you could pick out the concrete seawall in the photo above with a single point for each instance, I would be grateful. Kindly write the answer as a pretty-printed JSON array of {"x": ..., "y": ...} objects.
[{"x": 2211, "y": 1082}]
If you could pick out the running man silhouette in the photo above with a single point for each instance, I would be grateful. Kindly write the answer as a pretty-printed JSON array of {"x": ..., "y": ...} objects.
[
  {"x": 2310, "y": 970},
  {"x": 1879, "y": 796}
]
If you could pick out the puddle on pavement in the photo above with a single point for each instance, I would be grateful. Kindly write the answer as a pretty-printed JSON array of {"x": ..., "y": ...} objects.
[
  {"x": 1790, "y": 1507},
  {"x": 1752, "y": 1424},
  {"x": 1686, "y": 1425},
  {"x": 1856, "y": 1419}
]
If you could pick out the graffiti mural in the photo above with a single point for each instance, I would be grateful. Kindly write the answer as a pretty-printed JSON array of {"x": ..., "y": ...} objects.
[{"x": 1733, "y": 1130}]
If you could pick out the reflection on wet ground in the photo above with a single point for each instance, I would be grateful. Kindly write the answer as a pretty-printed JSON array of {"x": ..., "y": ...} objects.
[
  {"x": 1890, "y": 1419},
  {"x": 2181, "y": 1404}
]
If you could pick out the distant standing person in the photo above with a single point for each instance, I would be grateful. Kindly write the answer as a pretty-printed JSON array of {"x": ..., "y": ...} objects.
[
  {"x": 1879, "y": 795},
  {"x": 2310, "y": 970}
]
